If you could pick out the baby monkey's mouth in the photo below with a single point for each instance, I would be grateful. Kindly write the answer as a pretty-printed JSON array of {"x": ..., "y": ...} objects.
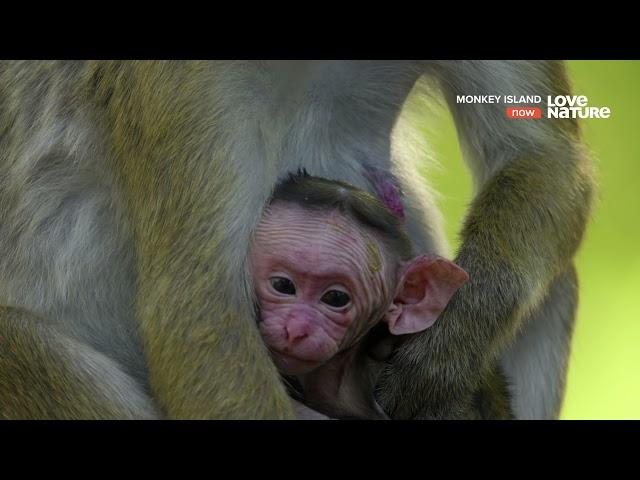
[{"x": 292, "y": 365}]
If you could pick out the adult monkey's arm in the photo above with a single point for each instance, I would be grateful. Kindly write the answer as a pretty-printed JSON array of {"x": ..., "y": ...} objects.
[
  {"x": 534, "y": 189},
  {"x": 192, "y": 208}
]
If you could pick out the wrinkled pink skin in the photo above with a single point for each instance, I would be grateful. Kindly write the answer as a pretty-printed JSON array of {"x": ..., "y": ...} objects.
[
  {"x": 319, "y": 343},
  {"x": 318, "y": 253}
]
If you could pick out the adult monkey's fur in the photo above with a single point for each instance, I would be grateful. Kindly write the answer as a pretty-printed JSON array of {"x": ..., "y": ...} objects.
[{"x": 129, "y": 192}]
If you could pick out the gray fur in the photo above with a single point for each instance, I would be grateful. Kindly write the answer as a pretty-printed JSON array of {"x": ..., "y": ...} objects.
[
  {"x": 67, "y": 253},
  {"x": 537, "y": 362}
]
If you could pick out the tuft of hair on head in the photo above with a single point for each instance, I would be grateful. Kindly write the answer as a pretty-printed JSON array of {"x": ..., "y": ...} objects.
[{"x": 321, "y": 194}]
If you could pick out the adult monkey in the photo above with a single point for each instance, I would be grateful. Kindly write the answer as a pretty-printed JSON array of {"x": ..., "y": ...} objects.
[{"x": 129, "y": 192}]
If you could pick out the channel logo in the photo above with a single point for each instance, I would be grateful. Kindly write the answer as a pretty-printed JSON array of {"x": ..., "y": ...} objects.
[{"x": 559, "y": 106}]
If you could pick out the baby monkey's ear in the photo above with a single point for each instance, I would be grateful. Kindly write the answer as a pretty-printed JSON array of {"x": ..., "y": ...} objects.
[{"x": 425, "y": 286}]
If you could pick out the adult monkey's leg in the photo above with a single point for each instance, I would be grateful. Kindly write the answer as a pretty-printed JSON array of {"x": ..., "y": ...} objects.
[
  {"x": 45, "y": 374},
  {"x": 536, "y": 364},
  {"x": 534, "y": 188}
]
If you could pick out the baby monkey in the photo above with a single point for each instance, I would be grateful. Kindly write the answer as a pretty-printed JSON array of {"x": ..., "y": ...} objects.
[{"x": 336, "y": 281}]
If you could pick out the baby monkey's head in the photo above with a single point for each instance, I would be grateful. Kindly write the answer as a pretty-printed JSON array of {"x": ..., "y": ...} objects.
[{"x": 330, "y": 262}]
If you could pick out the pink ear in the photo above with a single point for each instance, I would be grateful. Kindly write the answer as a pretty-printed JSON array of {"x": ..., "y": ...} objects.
[{"x": 425, "y": 286}]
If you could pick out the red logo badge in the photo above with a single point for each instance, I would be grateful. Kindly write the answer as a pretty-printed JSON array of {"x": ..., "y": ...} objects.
[{"x": 524, "y": 112}]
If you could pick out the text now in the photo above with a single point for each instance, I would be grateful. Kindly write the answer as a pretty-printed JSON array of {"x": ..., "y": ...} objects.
[{"x": 524, "y": 112}]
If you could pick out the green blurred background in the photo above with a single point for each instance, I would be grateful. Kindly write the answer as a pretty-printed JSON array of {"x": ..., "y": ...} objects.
[{"x": 604, "y": 372}]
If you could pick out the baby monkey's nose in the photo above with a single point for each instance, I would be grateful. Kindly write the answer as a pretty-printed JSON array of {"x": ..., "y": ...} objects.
[{"x": 297, "y": 330}]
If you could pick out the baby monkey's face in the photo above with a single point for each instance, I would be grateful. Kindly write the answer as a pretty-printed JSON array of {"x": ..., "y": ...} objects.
[{"x": 321, "y": 281}]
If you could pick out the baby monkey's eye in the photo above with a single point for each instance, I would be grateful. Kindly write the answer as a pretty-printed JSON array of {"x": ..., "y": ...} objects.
[
  {"x": 283, "y": 285},
  {"x": 335, "y": 298}
]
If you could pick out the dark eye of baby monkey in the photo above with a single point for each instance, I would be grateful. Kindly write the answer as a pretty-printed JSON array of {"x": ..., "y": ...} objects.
[
  {"x": 336, "y": 298},
  {"x": 283, "y": 285}
]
